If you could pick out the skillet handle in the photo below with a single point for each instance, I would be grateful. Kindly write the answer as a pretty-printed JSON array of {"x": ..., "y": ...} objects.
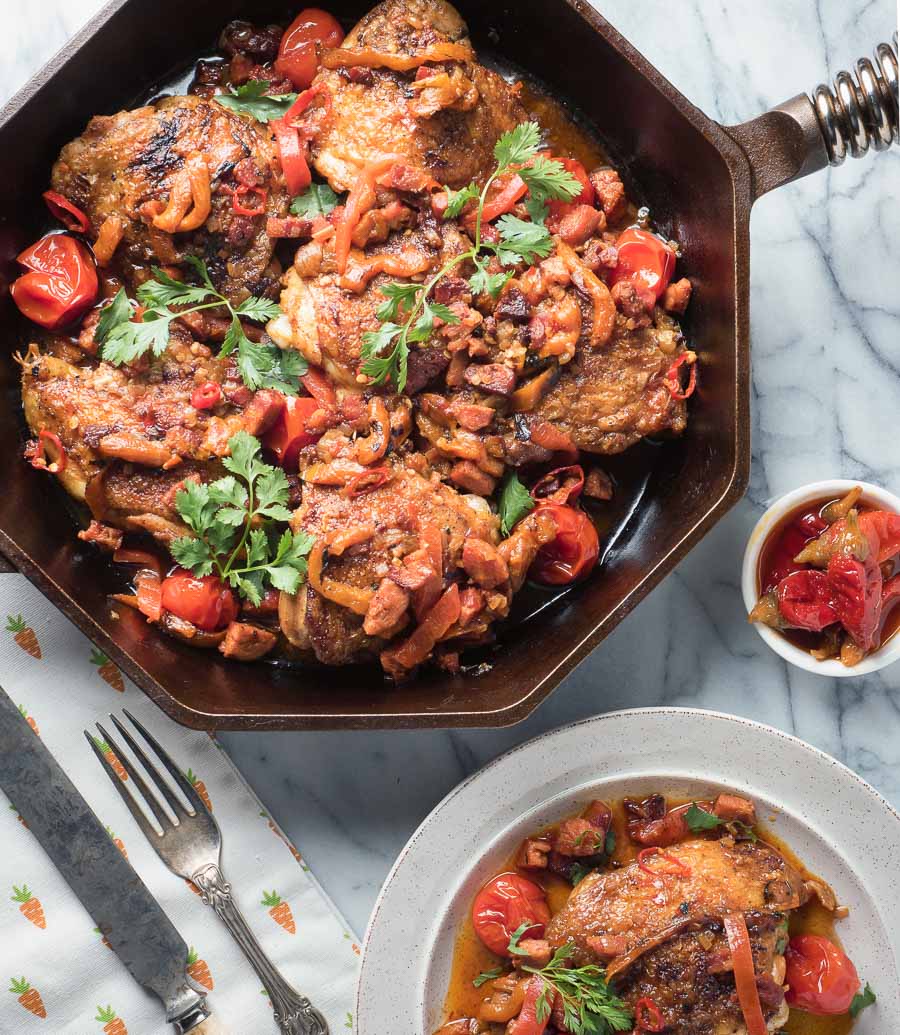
[{"x": 805, "y": 134}]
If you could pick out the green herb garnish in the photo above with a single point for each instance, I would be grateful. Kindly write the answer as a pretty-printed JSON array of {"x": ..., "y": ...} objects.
[
  {"x": 231, "y": 520},
  {"x": 408, "y": 315},
  {"x": 699, "y": 819},
  {"x": 317, "y": 200},
  {"x": 515, "y": 502},
  {"x": 485, "y": 976},
  {"x": 250, "y": 98},
  {"x": 125, "y": 340},
  {"x": 589, "y": 1007},
  {"x": 578, "y": 873},
  {"x": 861, "y": 1000}
]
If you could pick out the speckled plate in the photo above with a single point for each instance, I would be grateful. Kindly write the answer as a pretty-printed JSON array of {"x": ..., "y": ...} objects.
[{"x": 837, "y": 824}]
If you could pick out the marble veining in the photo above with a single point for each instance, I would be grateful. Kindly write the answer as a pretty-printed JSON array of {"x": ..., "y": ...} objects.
[{"x": 826, "y": 397}]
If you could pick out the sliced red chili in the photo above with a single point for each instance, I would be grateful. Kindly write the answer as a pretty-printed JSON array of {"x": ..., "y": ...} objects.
[
  {"x": 367, "y": 481},
  {"x": 71, "y": 216},
  {"x": 647, "y": 1016},
  {"x": 206, "y": 396},
  {"x": 679, "y": 868},
  {"x": 673, "y": 380},
  {"x": 242, "y": 190},
  {"x": 39, "y": 453}
]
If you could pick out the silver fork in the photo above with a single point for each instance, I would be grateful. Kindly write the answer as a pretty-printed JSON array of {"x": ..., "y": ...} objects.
[{"x": 191, "y": 847}]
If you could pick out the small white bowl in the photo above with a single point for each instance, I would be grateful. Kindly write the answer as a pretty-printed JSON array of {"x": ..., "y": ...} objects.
[{"x": 835, "y": 489}]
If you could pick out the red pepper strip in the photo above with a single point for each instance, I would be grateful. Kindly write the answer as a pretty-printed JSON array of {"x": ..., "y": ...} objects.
[
  {"x": 673, "y": 382},
  {"x": 561, "y": 485},
  {"x": 367, "y": 481},
  {"x": 647, "y": 1016},
  {"x": 241, "y": 209},
  {"x": 206, "y": 396},
  {"x": 680, "y": 870},
  {"x": 149, "y": 595},
  {"x": 511, "y": 192},
  {"x": 550, "y": 437},
  {"x": 142, "y": 557},
  {"x": 292, "y": 150},
  {"x": 745, "y": 973},
  {"x": 304, "y": 100},
  {"x": 320, "y": 388},
  {"x": 71, "y": 217},
  {"x": 360, "y": 199},
  {"x": 39, "y": 460}
]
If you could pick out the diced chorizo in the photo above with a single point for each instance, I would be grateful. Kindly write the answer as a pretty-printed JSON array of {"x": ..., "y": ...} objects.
[
  {"x": 578, "y": 838},
  {"x": 471, "y": 416},
  {"x": 452, "y": 289},
  {"x": 292, "y": 227},
  {"x": 632, "y": 300},
  {"x": 579, "y": 223},
  {"x": 262, "y": 411},
  {"x": 483, "y": 563},
  {"x": 536, "y": 951},
  {"x": 599, "y": 814},
  {"x": 598, "y": 484},
  {"x": 245, "y": 642},
  {"x": 598, "y": 255},
  {"x": 513, "y": 305},
  {"x": 387, "y": 611},
  {"x": 423, "y": 366},
  {"x": 471, "y": 603},
  {"x": 734, "y": 808},
  {"x": 249, "y": 173},
  {"x": 491, "y": 377},
  {"x": 610, "y": 192},
  {"x": 105, "y": 537},
  {"x": 677, "y": 296},
  {"x": 534, "y": 853},
  {"x": 470, "y": 477}
]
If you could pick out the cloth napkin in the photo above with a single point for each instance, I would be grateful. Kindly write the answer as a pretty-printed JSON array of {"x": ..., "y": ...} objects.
[{"x": 60, "y": 977}]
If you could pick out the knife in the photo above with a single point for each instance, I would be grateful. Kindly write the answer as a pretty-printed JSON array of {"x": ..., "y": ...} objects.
[{"x": 141, "y": 934}]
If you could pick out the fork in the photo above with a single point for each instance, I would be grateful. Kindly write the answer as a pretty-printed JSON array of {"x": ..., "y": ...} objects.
[{"x": 191, "y": 847}]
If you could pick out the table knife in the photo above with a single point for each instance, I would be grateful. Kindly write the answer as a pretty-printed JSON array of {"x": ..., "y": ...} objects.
[{"x": 140, "y": 933}]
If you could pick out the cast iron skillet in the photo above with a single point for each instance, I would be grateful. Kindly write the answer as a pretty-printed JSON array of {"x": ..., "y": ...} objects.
[{"x": 699, "y": 179}]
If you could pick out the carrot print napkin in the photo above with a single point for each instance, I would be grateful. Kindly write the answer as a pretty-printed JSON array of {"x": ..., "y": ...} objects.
[{"x": 59, "y": 978}]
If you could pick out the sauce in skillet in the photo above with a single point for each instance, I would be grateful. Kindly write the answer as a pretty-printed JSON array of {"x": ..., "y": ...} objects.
[{"x": 471, "y": 957}]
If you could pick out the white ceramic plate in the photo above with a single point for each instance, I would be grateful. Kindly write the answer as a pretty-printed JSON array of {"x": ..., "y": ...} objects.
[{"x": 839, "y": 826}]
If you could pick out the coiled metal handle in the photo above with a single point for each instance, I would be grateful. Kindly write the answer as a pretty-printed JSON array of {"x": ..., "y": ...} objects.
[{"x": 861, "y": 110}]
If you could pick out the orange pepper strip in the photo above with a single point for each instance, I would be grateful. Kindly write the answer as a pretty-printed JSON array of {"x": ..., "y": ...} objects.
[
  {"x": 108, "y": 238},
  {"x": 354, "y": 599},
  {"x": 344, "y": 57},
  {"x": 360, "y": 199},
  {"x": 745, "y": 973}
]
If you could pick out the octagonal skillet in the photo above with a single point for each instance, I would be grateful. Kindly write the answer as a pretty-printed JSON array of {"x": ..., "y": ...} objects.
[{"x": 698, "y": 178}]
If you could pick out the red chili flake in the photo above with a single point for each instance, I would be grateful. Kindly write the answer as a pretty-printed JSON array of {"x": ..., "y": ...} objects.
[
  {"x": 673, "y": 381},
  {"x": 679, "y": 868},
  {"x": 241, "y": 191},
  {"x": 647, "y": 1016},
  {"x": 206, "y": 396}
]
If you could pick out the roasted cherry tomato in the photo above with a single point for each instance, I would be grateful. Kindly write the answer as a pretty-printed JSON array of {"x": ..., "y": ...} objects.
[
  {"x": 587, "y": 195},
  {"x": 298, "y": 56},
  {"x": 61, "y": 282},
  {"x": 574, "y": 551},
  {"x": 503, "y": 905},
  {"x": 805, "y": 600},
  {"x": 645, "y": 258},
  {"x": 821, "y": 978},
  {"x": 289, "y": 434},
  {"x": 205, "y": 602}
]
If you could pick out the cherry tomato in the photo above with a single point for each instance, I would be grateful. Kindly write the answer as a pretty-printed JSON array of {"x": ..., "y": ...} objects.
[
  {"x": 205, "y": 602},
  {"x": 288, "y": 435},
  {"x": 643, "y": 257},
  {"x": 587, "y": 196},
  {"x": 821, "y": 977},
  {"x": 574, "y": 551},
  {"x": 503, "y": 905},
  {"x": 298, "y": 56},
  {"x": 61, "y": 282}
]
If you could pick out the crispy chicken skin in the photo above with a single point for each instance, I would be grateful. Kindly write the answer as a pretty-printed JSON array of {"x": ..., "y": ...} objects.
[
  {"x": 123, "y": 162},
  {"x": 447, "y": 125},
  {"x": 325, "y": 321}
]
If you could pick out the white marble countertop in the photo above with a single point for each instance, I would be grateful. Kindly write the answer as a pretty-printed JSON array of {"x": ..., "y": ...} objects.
[{"x": 826, "y": 400}]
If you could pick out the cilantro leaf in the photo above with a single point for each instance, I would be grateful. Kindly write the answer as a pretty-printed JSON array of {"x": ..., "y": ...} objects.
[
  {"x": 515, "y": 502},
  {"x": 861, "y": 1000},
  {"x": 521, "y": 240},
  {"x": 317, "y": 200},
  {"x": 518, "y": 145},
  {"x": 458, "y": 199},
  {"x": 485, "y": 976},
  {"x": 193, "y": 554},
  {"x": 391, "y": 367},
  {"x": 162, "y": 291},
  {"x": 399, "y": 296},
  {"x": 482, "y": 282},
  {"x": 250, "y": 98},
  {"x": 547, "y": 178},
  {"x": 115, "y": 312},
  {"x": 699, "y": 819},
  {"x": 258, "y": 309}
]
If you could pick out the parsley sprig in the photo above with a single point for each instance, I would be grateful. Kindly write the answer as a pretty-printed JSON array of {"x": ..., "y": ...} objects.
[
  {"x": 699, "y": 820},
  {"x": 125, "y": 339},
  {"x": 231, "y": 521},
  {"x": 589, "y": 1007},
  {"x": 408, "y": 315},
  {"x": 317, "y": 200}
]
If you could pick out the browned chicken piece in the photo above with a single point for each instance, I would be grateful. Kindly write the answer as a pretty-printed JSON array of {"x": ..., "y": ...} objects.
[
  {"x": 608, "y": 399},
  {"x": 688, "y": 976},
  {"x": 129, "y": 166},
  {"x": 445, "y": 119},
  {"x": 721, "y": 876},
  {"x": 325, "y": 320},
  {"x": 408, "y": 534}
]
